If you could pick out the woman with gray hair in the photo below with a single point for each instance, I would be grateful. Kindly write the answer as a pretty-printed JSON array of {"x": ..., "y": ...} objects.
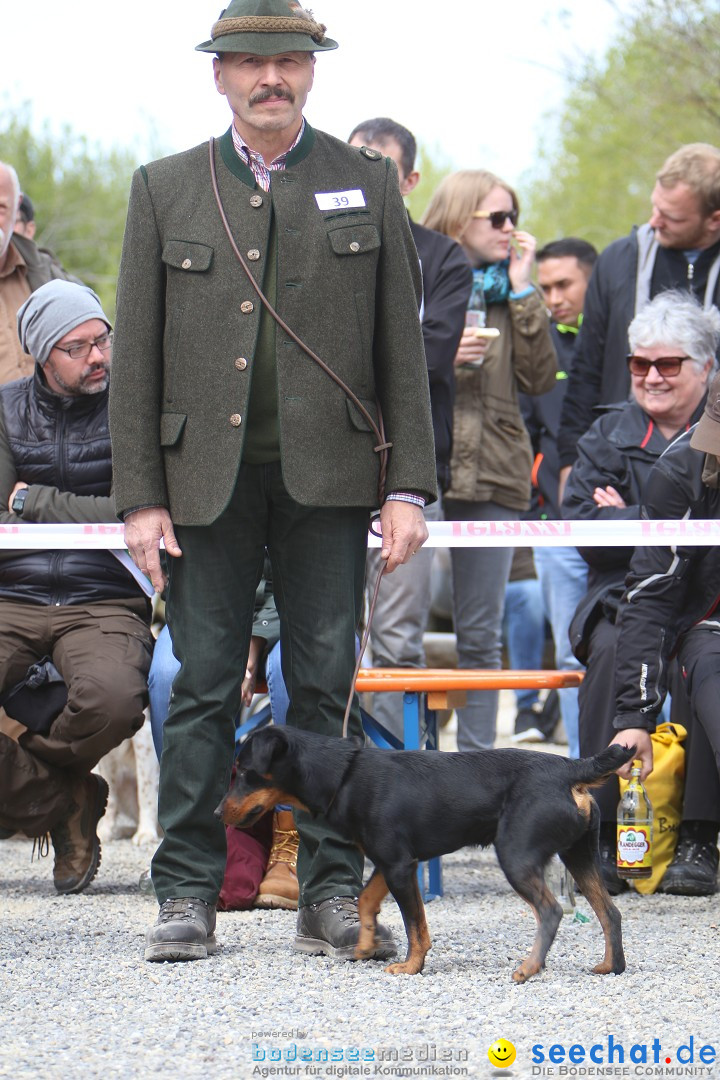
[{"x": 673, "y": 343}]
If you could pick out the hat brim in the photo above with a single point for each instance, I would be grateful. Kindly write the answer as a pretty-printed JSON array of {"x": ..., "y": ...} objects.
[
  {"x": 706, "y": 436},
  {"x": 269, "y": 44}
]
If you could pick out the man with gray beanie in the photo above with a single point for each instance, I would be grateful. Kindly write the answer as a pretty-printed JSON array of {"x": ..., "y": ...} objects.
[{"x": 83, "y": 610}]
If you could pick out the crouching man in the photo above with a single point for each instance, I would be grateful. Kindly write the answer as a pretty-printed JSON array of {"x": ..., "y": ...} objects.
[{"x": 83, "y": 609}]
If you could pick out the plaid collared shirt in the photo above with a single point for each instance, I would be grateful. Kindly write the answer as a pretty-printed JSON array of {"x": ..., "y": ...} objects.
[{"x": 256, "y": 162}]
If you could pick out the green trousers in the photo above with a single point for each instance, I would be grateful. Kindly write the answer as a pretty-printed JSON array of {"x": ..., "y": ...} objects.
[{"x": 318, "y": 561}]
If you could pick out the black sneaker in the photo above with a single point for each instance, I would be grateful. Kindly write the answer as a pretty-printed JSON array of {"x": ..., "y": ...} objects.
[
  {"x": 608, "y": 866},
  {"x": 332, "y": 927},
  {"x": 528, "y": 725},
  {"x": 185, "y": 930},
  {"x": 693, "y": 871}
]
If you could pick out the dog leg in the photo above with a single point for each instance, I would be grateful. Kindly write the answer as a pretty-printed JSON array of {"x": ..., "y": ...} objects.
[
  {"x": 529, "y": 882},
  {"x": 147, "y": 772},
  {"x": 369, "y": 903},
  {"x": 582, "y": 862},
  {"x": 406, "y": 892}
]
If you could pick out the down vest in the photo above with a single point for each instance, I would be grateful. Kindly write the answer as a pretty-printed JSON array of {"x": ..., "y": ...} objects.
[{"x": 60, "y": 447}]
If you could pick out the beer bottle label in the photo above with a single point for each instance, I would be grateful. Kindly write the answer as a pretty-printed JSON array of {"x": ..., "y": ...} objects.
[{"x": 634, "y": 846}]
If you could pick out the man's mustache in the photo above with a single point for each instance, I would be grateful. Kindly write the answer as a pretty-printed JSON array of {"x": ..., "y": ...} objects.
[{"x": 272, "y": 92}]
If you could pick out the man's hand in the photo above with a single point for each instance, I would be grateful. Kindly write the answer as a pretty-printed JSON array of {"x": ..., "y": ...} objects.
[
  {"x": 522, "y": 260},
  {"x": 18, "y": 487},
  {"x": 640, "y": 738},
  {"x": 403, "y": 532},
  {"x": 471, "y": 348},
  {"x": 144, "y": 529}
]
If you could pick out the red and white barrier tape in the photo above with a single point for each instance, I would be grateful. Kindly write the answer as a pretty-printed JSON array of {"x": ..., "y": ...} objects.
[{"x": 688, "y": 532}]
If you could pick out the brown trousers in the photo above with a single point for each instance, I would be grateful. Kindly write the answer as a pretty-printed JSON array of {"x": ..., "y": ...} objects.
[{"x": 103, "y": 653}]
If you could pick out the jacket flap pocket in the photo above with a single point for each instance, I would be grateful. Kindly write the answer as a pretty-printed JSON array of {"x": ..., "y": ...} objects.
[
  {"x": 354, "y": 239},
  {"x": 171, "y": 427},
  {"x": 185, "y": 255},
  {"x": 356, "y": 417}
]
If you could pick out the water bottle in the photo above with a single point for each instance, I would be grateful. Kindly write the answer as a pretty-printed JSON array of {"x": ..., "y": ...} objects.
[
  {"x": 634, "y": 829},
  {"x": 476, "y": 314}
]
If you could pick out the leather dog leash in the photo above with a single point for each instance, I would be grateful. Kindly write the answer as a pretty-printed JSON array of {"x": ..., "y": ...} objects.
[{"x": 378, "y": 429}]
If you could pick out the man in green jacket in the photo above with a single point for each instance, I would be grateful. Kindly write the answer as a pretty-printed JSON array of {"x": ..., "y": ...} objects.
[{"x": 228, "y": 438}]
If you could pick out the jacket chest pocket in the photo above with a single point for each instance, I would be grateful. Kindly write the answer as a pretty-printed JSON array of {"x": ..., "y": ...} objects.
[
  {"x": 188, "y": 256},
  {"x": 354, "y": 239}
]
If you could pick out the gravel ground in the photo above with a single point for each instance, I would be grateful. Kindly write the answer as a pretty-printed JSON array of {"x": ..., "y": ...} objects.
[{"x": 78, "y": 999}]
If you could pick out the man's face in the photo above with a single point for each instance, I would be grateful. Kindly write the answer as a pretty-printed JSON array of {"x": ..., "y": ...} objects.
[
  {"x": 563, "y": 282},
  {"x": 678, "y": 221},
  {"x": 8, "y": 210},
  {"x": 267, "y": 94},
  {"x": 390, "y": 148},
  {"x": 77, "y": 377}
]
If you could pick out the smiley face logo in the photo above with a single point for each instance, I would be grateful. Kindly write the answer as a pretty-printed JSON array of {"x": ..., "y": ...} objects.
[{"x": 501, "y": 1053}]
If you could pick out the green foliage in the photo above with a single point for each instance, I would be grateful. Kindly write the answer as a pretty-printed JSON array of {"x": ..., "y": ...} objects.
[
  {"x": 432, "y": 166},
  {"x": 657, "y": 88},
  {"x": 79, "y": 192}
]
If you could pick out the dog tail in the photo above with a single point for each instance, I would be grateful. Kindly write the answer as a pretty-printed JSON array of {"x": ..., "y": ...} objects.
[{"x": 593, "y": 770}]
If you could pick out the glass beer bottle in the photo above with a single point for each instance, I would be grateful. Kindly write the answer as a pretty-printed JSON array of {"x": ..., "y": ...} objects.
[{"x": 634, "y": 829}]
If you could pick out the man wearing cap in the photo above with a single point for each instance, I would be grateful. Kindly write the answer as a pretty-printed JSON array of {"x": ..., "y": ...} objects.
[
  {"x": 229, "y": 438},
  {"x": 83, "y": 609},
  {"x": 24, "y": 267}
]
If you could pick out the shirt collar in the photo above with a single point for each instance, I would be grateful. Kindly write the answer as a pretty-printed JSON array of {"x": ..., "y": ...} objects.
[{"x": 251, "y": 157}]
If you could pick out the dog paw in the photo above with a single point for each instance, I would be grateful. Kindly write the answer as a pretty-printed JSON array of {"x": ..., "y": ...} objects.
[
  {"x": 406, "y": 967},
  {"x": 145, "y": 836}
]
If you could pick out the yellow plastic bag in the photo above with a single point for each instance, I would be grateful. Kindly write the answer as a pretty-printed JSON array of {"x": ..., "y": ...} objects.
[{"x": 665, "y": 787}]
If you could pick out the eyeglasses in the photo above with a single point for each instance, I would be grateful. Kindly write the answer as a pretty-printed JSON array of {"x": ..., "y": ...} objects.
[
  {"x": 667, "y": 366},
  {"x": 497, "y": 218},
  {"x": 82, "y": 350}
]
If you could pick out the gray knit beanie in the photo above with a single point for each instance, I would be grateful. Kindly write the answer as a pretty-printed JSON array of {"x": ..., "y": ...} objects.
[{"x": 54, "y": 310}]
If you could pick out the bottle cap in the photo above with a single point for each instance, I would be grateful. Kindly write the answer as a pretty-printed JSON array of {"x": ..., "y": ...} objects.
[{"x": 637, "y": 764}]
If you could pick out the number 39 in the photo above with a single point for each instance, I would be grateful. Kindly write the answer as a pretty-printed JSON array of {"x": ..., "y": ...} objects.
[{"x": 341, "y": 200}]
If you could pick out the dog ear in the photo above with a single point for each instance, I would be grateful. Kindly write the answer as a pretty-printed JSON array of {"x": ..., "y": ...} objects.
[{"x": 268, "y": 746}]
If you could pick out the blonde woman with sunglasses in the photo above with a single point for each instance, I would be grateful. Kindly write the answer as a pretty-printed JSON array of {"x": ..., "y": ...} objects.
[{"x": 492, "y": 458}]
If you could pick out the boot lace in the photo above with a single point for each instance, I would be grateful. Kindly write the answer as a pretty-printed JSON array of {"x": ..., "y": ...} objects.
[
  {"x": 41, "y": 845},
  {"x": 345, "y": 906},
  {"x": 284, "y": 848},
  {"x": 183, "y": 909}
]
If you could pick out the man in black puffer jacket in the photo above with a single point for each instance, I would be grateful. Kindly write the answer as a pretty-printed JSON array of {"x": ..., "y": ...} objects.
[{"x": 84, "y": 609}]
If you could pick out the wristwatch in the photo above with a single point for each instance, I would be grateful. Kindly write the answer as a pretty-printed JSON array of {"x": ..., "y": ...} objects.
[{"x": 19, "y": 501}]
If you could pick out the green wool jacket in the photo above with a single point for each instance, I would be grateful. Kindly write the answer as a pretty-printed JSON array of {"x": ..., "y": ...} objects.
[{"x": 188, "y": 319}]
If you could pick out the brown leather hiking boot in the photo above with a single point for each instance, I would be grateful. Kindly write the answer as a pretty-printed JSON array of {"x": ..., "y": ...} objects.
[
  {"x": 75, "y": 841},
  {"x": 279, "y": 888}
]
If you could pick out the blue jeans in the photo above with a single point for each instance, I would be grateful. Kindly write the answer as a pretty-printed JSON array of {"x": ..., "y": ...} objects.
[
  {"x": 563, "y": 577},
  {"x": 164, "y": 668},
  {"x": 524, "y": 632}
]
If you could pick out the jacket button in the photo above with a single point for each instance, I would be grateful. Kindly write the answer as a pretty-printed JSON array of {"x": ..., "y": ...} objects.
[
  {"x": 241, "y": 363},
  {"x": 354, "y": 246},
  {"x": 256, "y": 200},
  {"x": 253, "y": 254},
  {"x": 236, "y": 419},
  {"x": 247, "y": 306},
  {"x": 186, "y": 264}
]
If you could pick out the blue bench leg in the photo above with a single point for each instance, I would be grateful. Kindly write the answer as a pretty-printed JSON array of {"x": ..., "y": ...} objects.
[{"x": 412, "y": 737}]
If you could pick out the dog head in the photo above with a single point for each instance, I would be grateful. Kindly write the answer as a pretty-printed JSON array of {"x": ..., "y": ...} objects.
[{"x": 257, "y": 787}]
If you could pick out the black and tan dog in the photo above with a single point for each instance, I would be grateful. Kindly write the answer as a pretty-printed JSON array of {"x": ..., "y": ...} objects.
[{"x": 402, "y": 807}]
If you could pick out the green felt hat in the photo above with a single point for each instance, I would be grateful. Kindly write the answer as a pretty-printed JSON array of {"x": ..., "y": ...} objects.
[{"x": 266, "y": 27}]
